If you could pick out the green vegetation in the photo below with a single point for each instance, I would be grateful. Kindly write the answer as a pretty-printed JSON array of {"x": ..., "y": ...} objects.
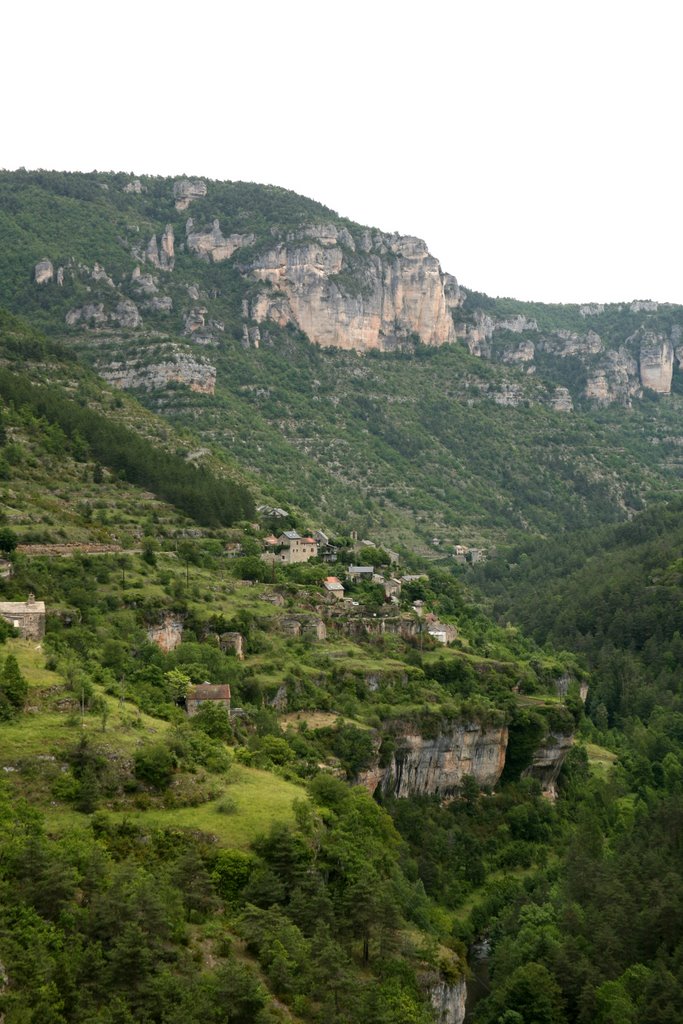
[{"x": 161, "y": 867}]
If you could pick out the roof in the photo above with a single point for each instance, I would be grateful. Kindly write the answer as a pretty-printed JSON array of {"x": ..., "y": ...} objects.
[
  {"x": 207, "y": 691},
  {"x": 291, "y": 535},
  {"x": 362, "y": 568},
  {"x": 20, "y": 607},
  {"x": 309, "y": 540},
  {"x": 332, "y": 583}
]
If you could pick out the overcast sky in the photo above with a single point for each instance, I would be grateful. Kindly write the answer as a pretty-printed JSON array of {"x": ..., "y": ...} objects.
[{"x": 537, "y": 146}]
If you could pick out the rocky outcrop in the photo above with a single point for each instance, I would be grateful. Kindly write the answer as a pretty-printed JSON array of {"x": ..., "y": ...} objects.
[
  {"x": 159, "y": 304},
  {"x": 184, "y": 191},
  {"x": 90, "y": 315},
  {"x": 571, "y": 343},
  {"x": 548, "y": 760},
  {"x": 592, "y": 309},
  {"x": 656, "y": 362},
  {"x": 374, "y": 294},
  {"x": 125, "y": 314},
  {"x": 561, "y": 400},
  {"x": 524, "y": 352},
  {"x": 144, "y": 283},
  {"x": 436, "y": 766},
  {"x": 201, "y": 330},
  {"x": 616, "y": 380},
  {"x": 178, "y": 368},
  {"x": 448, "y": 1000},
  {"x": 99, "y": 274},
  {"x": 162, "y": 256},
  {"x": 480, "y": 329},
  {"x": 135, "y": 187},
  {"x": 232, "y": 642},
  {"x": 212, "y": 244},
  {"x": 168, "y": 634},
  {"x": 43, "y": 272}
]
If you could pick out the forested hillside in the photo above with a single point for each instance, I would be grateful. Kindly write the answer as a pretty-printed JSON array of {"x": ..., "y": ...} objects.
[
  {"x": 382, "y": 781},
  {"x": 217, "y": 304}
]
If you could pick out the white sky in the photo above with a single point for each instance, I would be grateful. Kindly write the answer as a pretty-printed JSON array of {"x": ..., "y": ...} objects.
[{"x": 537, "y": 145}]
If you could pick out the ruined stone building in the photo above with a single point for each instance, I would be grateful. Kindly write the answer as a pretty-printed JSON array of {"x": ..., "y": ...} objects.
[
  {"x": 26, "y": 616},
  {"x": 207, "y": 693}
]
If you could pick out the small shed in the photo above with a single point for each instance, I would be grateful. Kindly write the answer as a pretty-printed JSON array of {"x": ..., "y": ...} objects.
[{"x": 207, "y": 693}]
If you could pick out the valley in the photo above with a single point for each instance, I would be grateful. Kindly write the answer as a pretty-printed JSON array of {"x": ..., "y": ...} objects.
[{"x": 361, "y": 647}]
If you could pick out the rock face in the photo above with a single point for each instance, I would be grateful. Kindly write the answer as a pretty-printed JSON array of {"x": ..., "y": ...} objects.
[
  {"x": 616, "y": 380},
  {"x": 371, "y": 295},
  {"x": 184, "y": 191},
  {"x": 425, "y": 766},
  {"x": 448, "y": 1000},
  {"x": 656, "y": 362},
  {"x": 162, "y": 256},
  {"x": 43, "y": 272},
  {"x": 562, "y": 400},
  {"x": 212, "y": 244},
  {"x": 179, "y": 368},
  {"x": 547, "y": 762},
  {"x": 168, "y": 634}
]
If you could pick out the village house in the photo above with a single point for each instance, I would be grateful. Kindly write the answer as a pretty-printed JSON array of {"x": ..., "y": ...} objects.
[
  {"x": 442, "y": 632},
  {"x": 296, "y": 548},
  {"x": 26, "y": 616},
  {"x": 477, "y": 555},
  {"x": 460, "y": 553},
  {"x": 392, "y": 589},
  {"x": 334, "y": 587},
  {"x": 358, "y": 573},
  {"x": 207, "y": 693}
]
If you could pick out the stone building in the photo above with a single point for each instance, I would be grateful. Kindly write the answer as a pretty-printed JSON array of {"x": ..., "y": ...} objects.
[
  {"x": 296, "y": 548},
  {"x": 207, "y": 693},
  {"x": 26, "y": 616}
]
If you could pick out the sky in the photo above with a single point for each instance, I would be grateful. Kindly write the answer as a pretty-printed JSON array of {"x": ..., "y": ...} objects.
[{"x": 536, "y": 146}]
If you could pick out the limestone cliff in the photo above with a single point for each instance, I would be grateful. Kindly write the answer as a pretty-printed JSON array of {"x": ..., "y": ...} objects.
[
  {"x": 172, "y": 366},
  {"x": 548, "y": 760},
  {"x": 184, "y": 191},
  {"x": 436, "y": 766},
  {"x": 374, "y": 293},
  {"x": 212, "y": 244},
  {"x": 656, "y": 361},
  {"x": 448, "y": 999}
]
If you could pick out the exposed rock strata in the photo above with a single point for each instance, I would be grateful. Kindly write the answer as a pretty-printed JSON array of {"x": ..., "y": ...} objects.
[
  {"x": 424, "y": 766},
  {"x": 168, "y": 634},
  {"x": 562, "y": 400},
  {"x": 184, "y": 191},
  {"x": 374, "y": 301},
  {"x": 656, "y": 362},
  {"x": 43, "y": 272},
  {"x": 212, "y": 244},
  {"x": 181, "y": 369},
  {"x": 448, "y": 1000},
  {"x": 547, "y": 762}
]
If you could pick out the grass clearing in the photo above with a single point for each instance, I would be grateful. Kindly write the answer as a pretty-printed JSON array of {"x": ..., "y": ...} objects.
[
  {"x": 260, "y": 799},
  {"x": 600, "y": 759}
]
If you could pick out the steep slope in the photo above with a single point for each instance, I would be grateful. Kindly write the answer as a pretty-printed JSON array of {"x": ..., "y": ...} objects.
[{"x": 455, "y": 426}]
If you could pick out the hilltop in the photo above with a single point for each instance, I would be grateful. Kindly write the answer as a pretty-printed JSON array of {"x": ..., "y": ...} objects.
[{"x": 239, "y": 311}]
